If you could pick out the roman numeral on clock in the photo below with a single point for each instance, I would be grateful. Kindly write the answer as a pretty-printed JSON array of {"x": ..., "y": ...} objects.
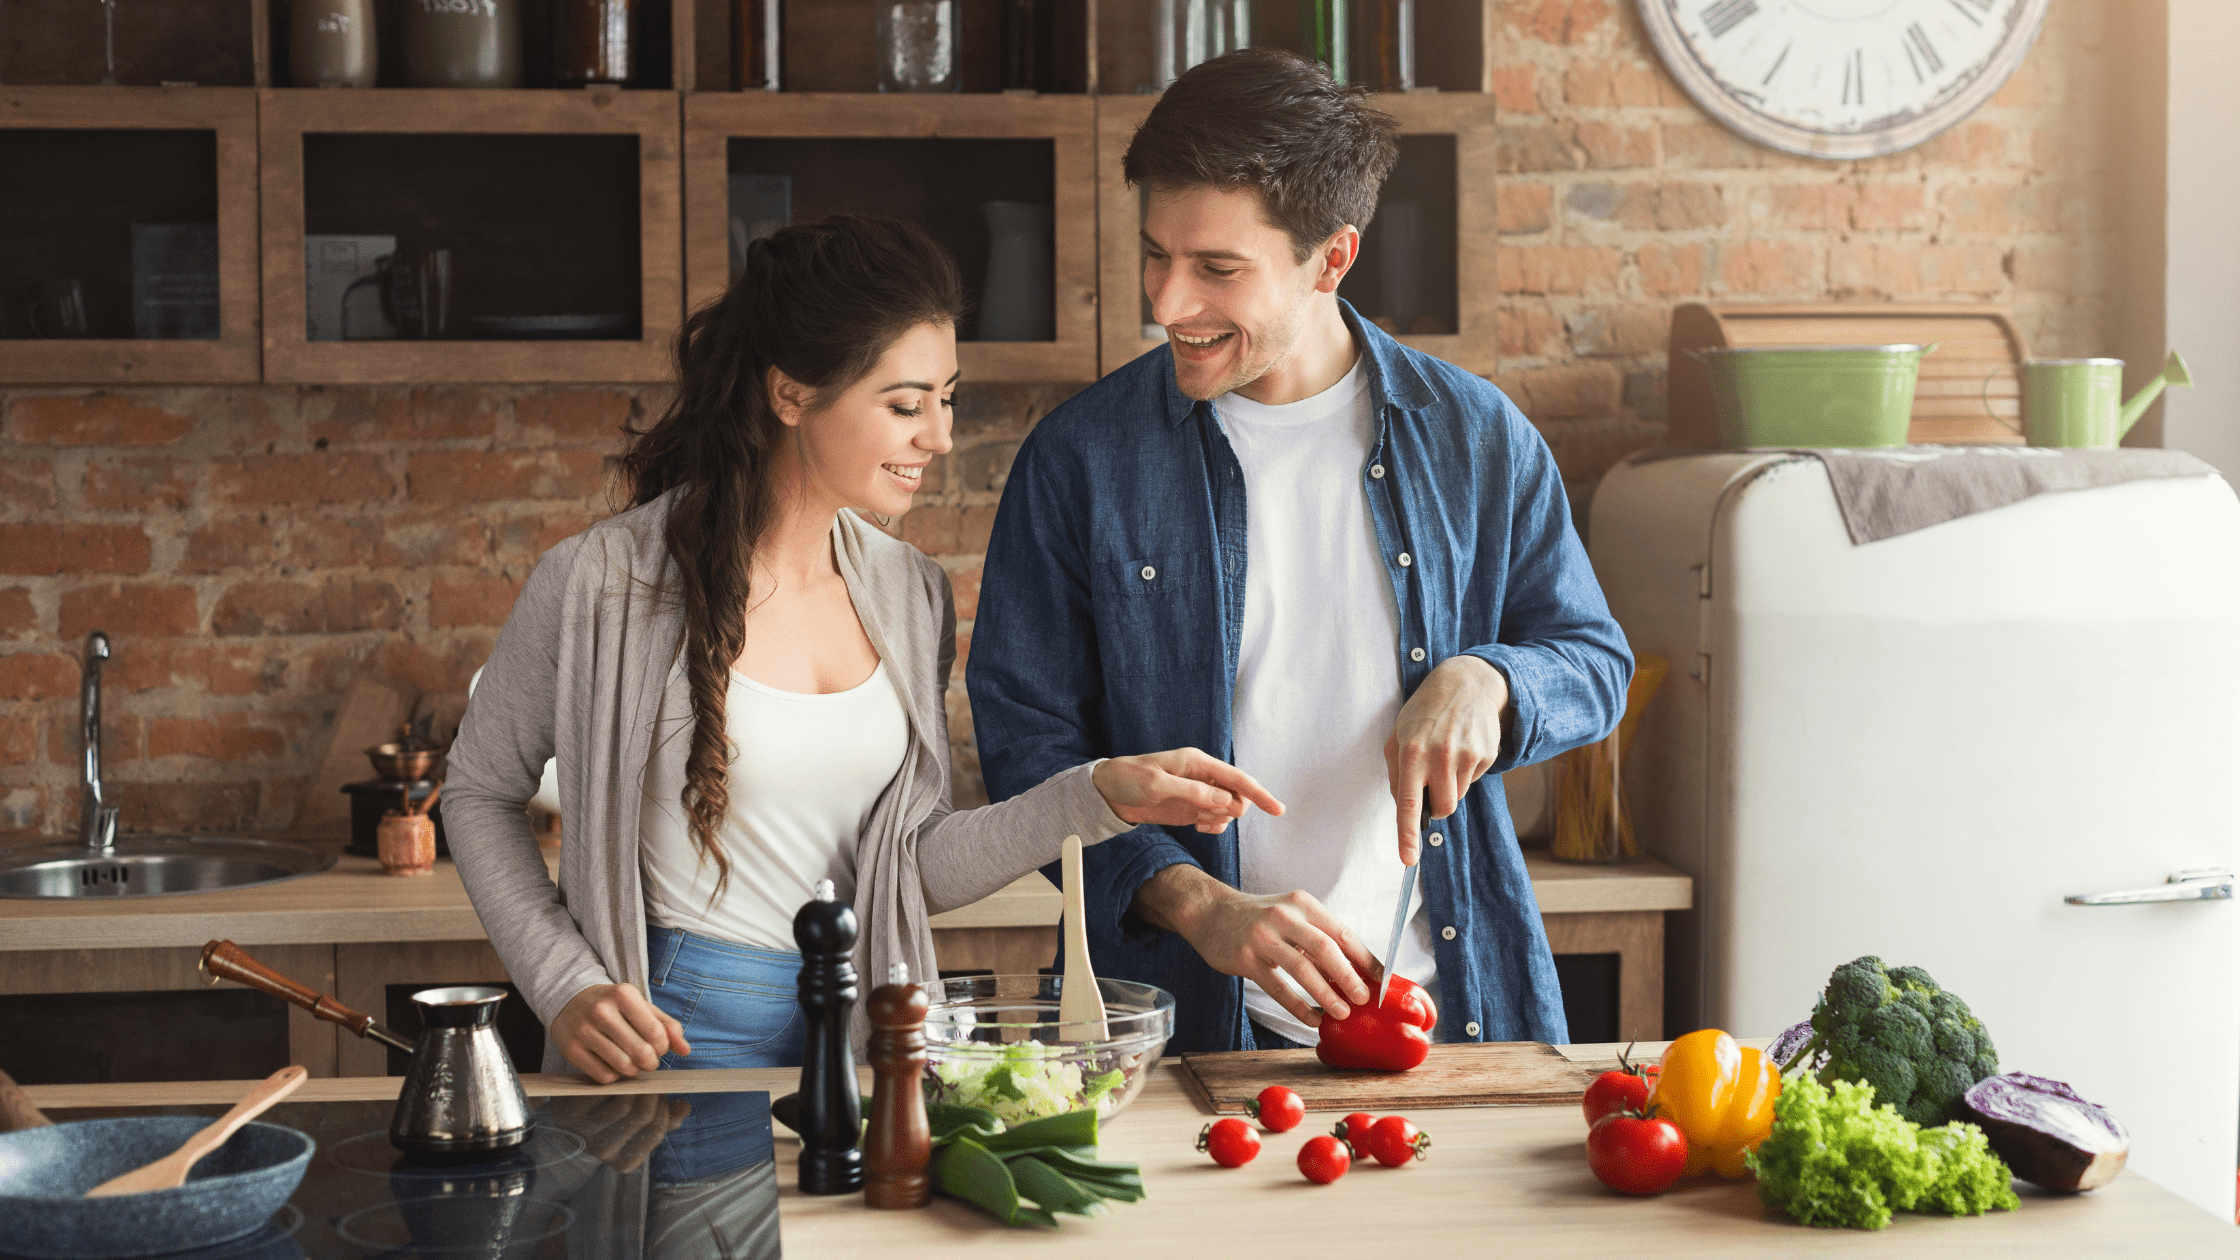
[
  {"x": 1921, "y": 52},
  {"x": 1855, "y": 77},
  {"x": 1726, "y": 15},
  {"x": 1968, "y": 9}
]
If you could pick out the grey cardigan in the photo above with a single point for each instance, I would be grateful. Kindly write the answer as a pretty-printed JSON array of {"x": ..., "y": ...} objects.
[{"x": 588, "y": 657}]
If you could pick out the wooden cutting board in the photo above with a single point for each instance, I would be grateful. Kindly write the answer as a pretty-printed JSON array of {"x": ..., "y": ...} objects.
[{"x": 1482, "y": 1074}]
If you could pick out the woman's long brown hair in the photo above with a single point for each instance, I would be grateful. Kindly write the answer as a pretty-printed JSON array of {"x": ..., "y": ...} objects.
[{"x": 820, "y": 302}]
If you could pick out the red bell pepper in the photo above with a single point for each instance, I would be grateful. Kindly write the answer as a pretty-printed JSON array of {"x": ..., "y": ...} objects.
[{"x": 1389, "y": 1038}]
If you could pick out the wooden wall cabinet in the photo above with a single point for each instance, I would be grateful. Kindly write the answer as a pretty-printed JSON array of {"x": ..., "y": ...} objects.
[
  {"x": 230, "y": 115},
  {"x": 1463, "y": 251},
  {"x": 292, "y": 120},
  {"x": 715, "y": 121},
  {"x": 276, "y": 153}
]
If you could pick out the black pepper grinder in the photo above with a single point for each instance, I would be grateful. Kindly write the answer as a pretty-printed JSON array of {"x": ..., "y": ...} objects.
[{"x": 831, "y": 1108}]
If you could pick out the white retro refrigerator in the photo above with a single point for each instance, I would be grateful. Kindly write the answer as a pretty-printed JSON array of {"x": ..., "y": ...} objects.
[{"x": 1922, "y": 747}]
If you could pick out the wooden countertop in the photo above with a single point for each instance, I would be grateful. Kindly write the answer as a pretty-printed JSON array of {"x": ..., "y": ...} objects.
[
  {"x": 1511, "y": 1178},
  {"x": 356, "y": 902}
]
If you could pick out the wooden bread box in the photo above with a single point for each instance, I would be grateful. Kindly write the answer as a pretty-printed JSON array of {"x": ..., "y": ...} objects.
[{"x": 1975, "y": 345}]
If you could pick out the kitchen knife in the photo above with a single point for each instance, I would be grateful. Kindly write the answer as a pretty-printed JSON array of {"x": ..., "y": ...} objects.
[{"x": 1400, "y": 913}]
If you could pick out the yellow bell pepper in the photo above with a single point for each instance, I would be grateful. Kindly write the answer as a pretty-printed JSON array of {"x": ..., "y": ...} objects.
[{"x": 1720, "y": 1094}]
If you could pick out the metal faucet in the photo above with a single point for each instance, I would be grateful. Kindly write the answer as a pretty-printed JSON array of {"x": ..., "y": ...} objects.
[{"x": 97, "y": 820}]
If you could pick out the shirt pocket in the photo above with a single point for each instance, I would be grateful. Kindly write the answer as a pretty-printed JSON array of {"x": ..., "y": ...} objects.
[{"x": 1156, "y": 615}]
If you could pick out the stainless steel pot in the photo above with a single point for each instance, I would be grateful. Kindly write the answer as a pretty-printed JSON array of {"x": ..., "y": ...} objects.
[{"x": 461, "y": 1101}]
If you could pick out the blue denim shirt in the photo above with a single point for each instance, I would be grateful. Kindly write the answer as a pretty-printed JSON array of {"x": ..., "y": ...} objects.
[{"x": 1113, "y": 603}]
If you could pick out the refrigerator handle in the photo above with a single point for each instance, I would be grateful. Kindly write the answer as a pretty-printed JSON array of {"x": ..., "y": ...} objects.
[{"x": 2209, "y": 884}]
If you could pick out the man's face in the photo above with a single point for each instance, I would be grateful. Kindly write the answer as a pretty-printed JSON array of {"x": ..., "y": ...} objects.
[{"x": 1223, "y": 282}]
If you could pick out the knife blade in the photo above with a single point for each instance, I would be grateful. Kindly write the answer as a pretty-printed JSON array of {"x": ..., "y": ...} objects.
[{"x": 1400, "y": 912}]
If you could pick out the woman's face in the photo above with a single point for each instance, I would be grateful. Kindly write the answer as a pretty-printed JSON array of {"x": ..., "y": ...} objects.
[{"x": 869, "y": 448}]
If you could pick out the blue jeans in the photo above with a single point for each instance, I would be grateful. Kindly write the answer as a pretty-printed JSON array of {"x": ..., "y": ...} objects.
[
  {"x": 1265, "y": 1038},
  {"x": 738, "y": 1004}
]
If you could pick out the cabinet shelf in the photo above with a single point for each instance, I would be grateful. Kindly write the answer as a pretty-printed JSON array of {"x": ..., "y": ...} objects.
[
  {"x": 292, "y": 162},
  {"x": 160, "y": 127},
  {"x": 720, "y": 125},
  {"x": 309, "y": 131}
]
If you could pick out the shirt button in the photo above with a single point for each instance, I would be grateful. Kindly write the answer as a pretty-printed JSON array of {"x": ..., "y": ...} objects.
[
  {"x": 1470, "y": 1029},
  {"x": 1446, "y": 933},
  {"x": 1149, "y": 573},
  {"x": 1406, "y": 560},
  {"x": 1376, "y": 470},
  {"x": 1437, "y": 839},
  {"x": 1416, "y": 655}
]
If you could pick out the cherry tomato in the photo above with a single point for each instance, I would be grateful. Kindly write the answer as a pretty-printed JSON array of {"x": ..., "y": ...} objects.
[
  {"x": 1355, "y": 1129},
  {"x": 1395, "y": 1140},
  {"x": 1626, "y": 1089},
  {"x": 1278, "y": 1109},
  {"x": 1230, "y": 1141},
  {"x": 1324, "y": 1159},
  {"x": 1636, "y": 1153}
]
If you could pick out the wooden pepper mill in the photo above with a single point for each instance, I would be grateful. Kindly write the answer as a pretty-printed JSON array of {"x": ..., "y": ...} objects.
[
  {"x": 900, "y": 1143},
  {"x": 831, "y": 1109}
]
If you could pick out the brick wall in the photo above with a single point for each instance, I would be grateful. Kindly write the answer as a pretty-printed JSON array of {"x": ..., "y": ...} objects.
[
  {"x": 252, "y": 549},
  {"x": 1620, "y": 198}
]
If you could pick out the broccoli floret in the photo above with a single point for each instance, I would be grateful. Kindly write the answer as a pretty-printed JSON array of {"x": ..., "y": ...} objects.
[
  {"x": 1857, "y": 988},
  {"x": 1900, "y": 1029},
  {"x": 1914, "y": 978},
  {"x": 1956, "y": 1041},
  {"x": 1890, "y": 1072},
  {"x": 1896, "y": 1029},
  {"x": 1938, "y": 1084}
]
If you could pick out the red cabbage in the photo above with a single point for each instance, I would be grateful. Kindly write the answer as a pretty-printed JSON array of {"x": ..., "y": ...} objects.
[
  {"x": 2047, "y": 1132},
  {"x": 1792, "y": 1039}
]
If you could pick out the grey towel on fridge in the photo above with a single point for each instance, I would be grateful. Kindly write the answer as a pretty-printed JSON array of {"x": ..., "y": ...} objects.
[{"x": 1886, "y": 491}]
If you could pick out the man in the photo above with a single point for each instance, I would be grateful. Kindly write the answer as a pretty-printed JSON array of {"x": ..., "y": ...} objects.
[{"x": 1403, "y": 609}]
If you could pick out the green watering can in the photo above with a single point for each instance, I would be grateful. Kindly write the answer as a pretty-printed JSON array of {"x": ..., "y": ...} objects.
[{"x": 2079, "y": 403}]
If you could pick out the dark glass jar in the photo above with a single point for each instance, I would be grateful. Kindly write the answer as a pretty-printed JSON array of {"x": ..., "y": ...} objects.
[
  {"x": 757, "y": 45},
  {"x": 594, "y": 41}
]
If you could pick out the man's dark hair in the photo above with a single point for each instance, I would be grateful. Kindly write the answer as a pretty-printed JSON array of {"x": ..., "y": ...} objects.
[{"x": 1277, "y": 123}]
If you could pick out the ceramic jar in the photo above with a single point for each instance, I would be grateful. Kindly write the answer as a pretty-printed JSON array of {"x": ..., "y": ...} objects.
[
  {"x": 462, "y": 43},
  {"x": 330, "y": 43},
  {"x": 407, "y": 844}
]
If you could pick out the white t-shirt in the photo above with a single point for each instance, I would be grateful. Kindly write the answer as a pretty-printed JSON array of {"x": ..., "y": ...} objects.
[
  {"x": 807, "y": 770},
  {"x": 1318, "y": 676}
]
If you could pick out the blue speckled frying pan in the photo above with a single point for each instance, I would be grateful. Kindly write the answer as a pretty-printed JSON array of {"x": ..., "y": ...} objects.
[{"x": 234, "y": 1190}]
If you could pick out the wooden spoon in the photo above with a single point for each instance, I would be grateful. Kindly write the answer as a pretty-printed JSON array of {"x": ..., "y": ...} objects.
[
  {"x": 17, "y": 1111},
  {"x": 172, "y": 1169},
  {"x": 1080, "y": 1004}
]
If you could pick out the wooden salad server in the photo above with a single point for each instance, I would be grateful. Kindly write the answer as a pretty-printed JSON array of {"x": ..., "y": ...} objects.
[{"x": 172, "y": 1169}]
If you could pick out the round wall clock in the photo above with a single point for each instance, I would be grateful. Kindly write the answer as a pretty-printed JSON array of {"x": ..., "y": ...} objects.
[{"x": 1842, "y": 78}]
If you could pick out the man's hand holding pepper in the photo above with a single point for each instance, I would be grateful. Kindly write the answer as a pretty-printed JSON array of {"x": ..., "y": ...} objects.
[
  {"x": 1446, "y": 738},
  {"x": 1263, "y": 939}
]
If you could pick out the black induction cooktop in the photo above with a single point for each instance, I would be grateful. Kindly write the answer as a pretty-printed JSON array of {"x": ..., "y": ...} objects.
[{"x": 677, "y": 1176}]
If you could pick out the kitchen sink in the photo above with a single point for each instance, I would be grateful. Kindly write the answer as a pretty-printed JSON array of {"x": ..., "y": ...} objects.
[{"x": 152, "y": 866}]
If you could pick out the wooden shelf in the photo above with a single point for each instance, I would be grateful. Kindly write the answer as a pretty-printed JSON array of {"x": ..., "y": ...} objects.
[
  {"x": 714, "y": 119},
  {"x": 288, "y": 115},
  {"x": 1467, "y": 117},
  {"x": 231, "y": 115}
]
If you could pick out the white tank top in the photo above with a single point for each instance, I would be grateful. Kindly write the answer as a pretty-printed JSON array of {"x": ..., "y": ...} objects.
[{"x": 806, "y": 772}]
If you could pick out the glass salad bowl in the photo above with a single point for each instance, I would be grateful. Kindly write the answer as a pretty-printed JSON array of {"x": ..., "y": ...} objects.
[{"x": 995, "y": 1042}]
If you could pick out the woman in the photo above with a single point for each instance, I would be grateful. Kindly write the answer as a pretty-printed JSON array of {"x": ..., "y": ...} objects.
[{"x": 742, "y": 682}]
